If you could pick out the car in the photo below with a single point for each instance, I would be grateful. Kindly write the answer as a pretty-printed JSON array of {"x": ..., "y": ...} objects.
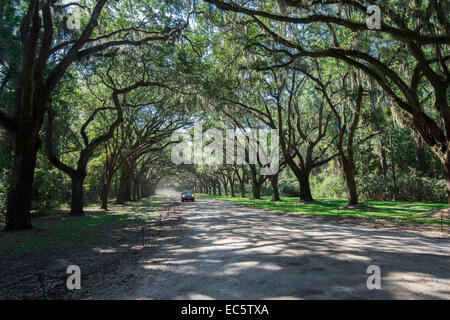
[{"x": 187, "y": 195}]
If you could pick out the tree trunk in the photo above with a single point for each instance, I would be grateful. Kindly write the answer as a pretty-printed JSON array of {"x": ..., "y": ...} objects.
[
  {"x": 274, "y": 185},
  {"x": 76, "y": 206},
  {"x": 256, "y": 191},
  {"x": 104, "y": 195},
  {"x": 352, "y": 193},
  {"x": 122, "y": 185},
  {"x": 242, "y": 189},
  {"x": 134, "y": 185},
  {"x": 421, "y": 163},
  {"x": 394, "y": 178},
  {"x": 348, "y": 166},
  {"x": 225, "y": 189},
  {"x": 382, "y": 154},
  {"x": 233, "y": 194},
  {"x": 241, "y": 182},
  {"x": 383, "y": 162},
  {"x": 127, "y": 191},
  {"x": 256, "y": 186},
  {"x": 152, "y": 191},
  {"x": 349, "y": 170},
  {"x": 138, "y": 191},
  {"x": 305, "y": 188},
  {"x": 446, "y": 165},
  {"x": 105, "y": 191},
  {"x": 18, "y": 215}
]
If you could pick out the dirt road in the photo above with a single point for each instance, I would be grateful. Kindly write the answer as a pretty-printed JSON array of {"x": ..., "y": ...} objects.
[{"x": 224, "y": 251}]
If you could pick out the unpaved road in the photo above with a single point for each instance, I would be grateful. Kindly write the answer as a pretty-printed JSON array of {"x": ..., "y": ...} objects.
[{"x": 225, "y": 251}]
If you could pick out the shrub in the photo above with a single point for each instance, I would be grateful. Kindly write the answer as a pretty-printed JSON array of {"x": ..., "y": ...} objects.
[
  {"x": 288, "y": 187},
  {"x": 329, "y": 187},
  {"x": 410, "y": 187}
]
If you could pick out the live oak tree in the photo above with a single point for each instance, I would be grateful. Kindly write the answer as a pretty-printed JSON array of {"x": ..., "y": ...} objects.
[
  {"x": 45, "y": 58},
  {"x": 343, "y": 93},
  {"x": 243, "y": 122},
  {"x": 277, "y": 98},
  {"x": 225, "y": 175},
  {"x": 149, "y": 131},
  {"x": 153, "y": 168},
  {"x": 78, "y": 174},
  {"x": 347, "y": 123},
  {"x": 241, "y": 175},
  {"x": 408, "y": 56},
  {"x": 146, "y": 129},
  {"x": 269, "y": 96}
]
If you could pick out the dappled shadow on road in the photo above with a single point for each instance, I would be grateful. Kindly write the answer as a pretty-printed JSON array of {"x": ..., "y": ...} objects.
[
  {"x": 225, "y": 251},
  {"x": 33, "y": 263}
]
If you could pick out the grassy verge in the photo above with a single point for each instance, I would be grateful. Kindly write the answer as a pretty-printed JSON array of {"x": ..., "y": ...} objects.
[
  {"x": 56, "y": 229},
  {"x": 408, "y": 212}
]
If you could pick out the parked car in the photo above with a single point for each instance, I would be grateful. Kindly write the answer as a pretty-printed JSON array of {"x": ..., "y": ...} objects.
[{"x": 187, "y": 195}]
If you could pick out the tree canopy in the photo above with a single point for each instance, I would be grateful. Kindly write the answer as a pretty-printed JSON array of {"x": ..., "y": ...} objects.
[{"x": 92, "y": 91}]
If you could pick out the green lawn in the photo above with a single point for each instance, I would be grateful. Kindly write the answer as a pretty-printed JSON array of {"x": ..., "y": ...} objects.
[
  {"x": 54, "y": 228},
  {"x": 409, "y": 212}
]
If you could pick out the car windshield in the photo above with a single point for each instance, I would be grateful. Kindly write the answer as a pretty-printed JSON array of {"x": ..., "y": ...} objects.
[{"x": 187, "y": 191}]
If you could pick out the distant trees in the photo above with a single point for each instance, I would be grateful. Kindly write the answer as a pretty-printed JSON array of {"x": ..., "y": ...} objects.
[{"x": 149, "y": 132}]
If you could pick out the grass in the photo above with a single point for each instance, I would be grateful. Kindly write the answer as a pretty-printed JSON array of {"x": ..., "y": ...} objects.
[
  {"x": 56, "y": 229},
  {"x": 409, "y": 212}
]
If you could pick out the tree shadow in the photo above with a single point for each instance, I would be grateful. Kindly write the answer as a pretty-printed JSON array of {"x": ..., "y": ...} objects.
[
  {"x": 231, "y": 252},
  {"x": 224, "y": 251}
]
